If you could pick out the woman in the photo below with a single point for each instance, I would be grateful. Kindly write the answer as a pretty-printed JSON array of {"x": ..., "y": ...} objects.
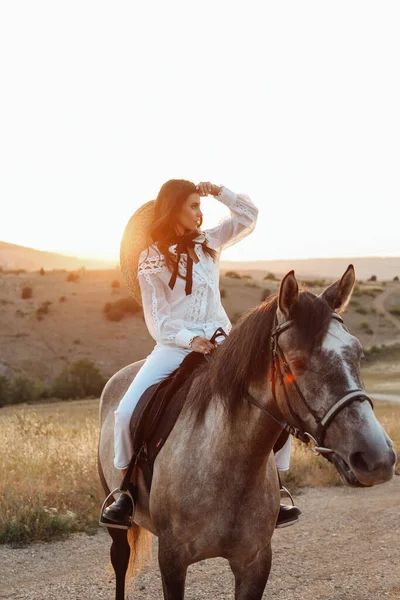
[{"x": 179, "y": 286}]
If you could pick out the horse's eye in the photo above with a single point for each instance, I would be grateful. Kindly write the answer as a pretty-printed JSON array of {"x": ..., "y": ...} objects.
[{"x": 299, "y": 364}]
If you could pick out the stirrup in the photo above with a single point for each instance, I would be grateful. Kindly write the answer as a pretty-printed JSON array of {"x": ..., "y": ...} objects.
[
  {"x": 284, "y": 489},
  {"x": 111, "y": 495}
]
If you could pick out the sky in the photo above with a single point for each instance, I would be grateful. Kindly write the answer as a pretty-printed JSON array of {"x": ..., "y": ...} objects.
[{"x": 294, "y": 103}]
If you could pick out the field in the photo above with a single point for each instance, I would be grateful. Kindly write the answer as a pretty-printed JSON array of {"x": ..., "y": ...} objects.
[
  {"x": 346, "y": 544},
  {"x": 39, "y": 343},
  {"x": 49, "y": 483}
]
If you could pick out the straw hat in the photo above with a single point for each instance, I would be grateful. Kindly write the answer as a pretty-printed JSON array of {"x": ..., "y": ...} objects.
[{"x": 135, "y": 239}]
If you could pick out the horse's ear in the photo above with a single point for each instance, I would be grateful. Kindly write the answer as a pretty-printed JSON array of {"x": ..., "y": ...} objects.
[
  {"x": 339, "y": 293},
  {"x": 288, "y": 294}
]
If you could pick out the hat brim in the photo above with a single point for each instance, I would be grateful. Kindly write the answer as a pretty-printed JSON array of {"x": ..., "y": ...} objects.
[{"x": 135, "y": 239}]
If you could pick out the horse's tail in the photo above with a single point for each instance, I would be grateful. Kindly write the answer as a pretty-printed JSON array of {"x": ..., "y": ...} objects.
[{"x": 140, "y": 542}]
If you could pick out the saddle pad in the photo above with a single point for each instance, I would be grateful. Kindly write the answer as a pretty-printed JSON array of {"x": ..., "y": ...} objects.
[{"x": 159, "y": 407}]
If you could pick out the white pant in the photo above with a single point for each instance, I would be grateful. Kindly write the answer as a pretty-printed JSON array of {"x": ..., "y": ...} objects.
[{"x": 158, "y": 365}]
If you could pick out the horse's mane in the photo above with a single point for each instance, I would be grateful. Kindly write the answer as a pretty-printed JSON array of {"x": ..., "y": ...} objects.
[{"x": 245, "y": 355}]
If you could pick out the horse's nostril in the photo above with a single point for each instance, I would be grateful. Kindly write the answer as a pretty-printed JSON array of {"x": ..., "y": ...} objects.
[
  {"x": 370, "y": 463},
  {"x": 358, "y": 462}
]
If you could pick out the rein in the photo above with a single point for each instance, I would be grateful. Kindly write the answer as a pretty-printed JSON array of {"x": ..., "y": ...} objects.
[{"x": 280, "y": 368}]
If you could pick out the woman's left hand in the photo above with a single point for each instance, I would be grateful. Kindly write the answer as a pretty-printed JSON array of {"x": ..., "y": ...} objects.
[{"x": 205, "y": 188}]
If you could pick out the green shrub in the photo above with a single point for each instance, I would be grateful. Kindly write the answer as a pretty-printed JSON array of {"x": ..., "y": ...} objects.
[
  {"x": 62, "y": 299},
  {"x": 361, "y": 310},
  {"x": 353, "y": 303},
  {"x": 32, "y": 525},
  {"x": 25, "y": 389},
  {"x": 26, "y": 293},
  {"x": 5, "y": 391},
  {"x": 391, "y": 352},
  {"x": 232, "y": 274},
  {"x": 115, "y": 314},
  {"x": 74, "y": 277},
  {"x": 14, "y": 271},
  {"x": 372, "y": 278},
  {"x": 115, "y": 311},
  {"x": 80, "y": 379},
  {"x": 396, "y": 278},
  {"x": 251, "y": 284},
  {"x": 43, "y": 310},
  {"x": 314, "y": 282},
  {"x": 372, "y": 292},
  {"x": 270, "y": 276},
  {"x": 395, "y": 311}
]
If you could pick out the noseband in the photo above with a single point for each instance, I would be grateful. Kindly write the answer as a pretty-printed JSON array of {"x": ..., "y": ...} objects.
[{"x": 280, "y": 369}]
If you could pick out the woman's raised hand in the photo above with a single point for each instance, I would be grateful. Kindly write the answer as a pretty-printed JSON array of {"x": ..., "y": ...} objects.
[
  {"x": 205, "y": 188},
  {"x": 202, "y": 345}
]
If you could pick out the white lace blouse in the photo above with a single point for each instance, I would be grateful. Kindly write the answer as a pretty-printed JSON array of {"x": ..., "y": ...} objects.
[{"x": 174, "y": 318}]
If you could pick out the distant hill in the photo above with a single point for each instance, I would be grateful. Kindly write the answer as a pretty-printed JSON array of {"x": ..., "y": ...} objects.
[
  {"x": 13, "y": 256},
  {"x": 385, "y": 268},
  {"x": 65, "y": 320}
]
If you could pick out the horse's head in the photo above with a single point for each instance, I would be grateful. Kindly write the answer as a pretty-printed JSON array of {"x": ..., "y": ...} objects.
[{"x": 317, "y": 382}]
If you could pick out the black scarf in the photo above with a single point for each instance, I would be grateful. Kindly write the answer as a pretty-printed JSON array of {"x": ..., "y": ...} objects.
[{"x": 183, "y": 243}]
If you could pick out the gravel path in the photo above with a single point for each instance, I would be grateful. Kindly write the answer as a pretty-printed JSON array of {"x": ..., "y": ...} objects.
[
  {"x": 379, "y": 304},
  {"x": 347, "y": 546}
]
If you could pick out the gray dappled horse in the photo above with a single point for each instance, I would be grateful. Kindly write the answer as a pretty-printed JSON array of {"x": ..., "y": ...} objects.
[{"x": 290, "y": 363}]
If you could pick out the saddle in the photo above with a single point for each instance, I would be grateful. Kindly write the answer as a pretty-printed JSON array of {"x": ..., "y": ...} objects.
[{"x": 157, "y": 412}]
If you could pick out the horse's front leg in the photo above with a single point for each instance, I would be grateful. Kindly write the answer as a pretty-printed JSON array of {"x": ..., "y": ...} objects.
[
  {"x": 251, "y": 576},
  {"x": 173, "y": 569}
]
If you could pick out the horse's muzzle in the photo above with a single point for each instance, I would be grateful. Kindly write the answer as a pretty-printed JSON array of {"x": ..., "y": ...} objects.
[
  {"x": 372, "y": 467},
  {"x": 367, "y": 468}
]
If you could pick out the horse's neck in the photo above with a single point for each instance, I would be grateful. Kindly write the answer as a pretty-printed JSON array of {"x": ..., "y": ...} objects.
[
  {"x": 261, "y": 430},
  {"x": 249, "y": 433}
]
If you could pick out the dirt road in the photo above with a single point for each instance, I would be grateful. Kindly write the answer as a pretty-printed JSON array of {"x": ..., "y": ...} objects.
[
  {"x": 379, "y": 304},
  {"x": 346, "y": 547}
]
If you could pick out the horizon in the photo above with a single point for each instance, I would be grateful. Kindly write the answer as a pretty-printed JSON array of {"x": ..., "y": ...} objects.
[
  {"x": 116, "y": 260},
  {"x": 278, "y": 109}
]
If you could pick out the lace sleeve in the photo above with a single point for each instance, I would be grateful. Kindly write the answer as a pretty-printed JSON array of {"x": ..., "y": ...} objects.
[
  {"x": 156, "y": 308},
  {"x": 240, "y": 224}
]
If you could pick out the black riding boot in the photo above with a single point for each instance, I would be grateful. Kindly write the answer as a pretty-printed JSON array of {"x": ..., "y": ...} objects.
[
  {"x": 288, "y": 515},
  {"x": 120, "y": 513}
]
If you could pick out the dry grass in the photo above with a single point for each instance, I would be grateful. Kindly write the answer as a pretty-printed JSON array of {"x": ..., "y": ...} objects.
[{"x": 49, "y": 483}]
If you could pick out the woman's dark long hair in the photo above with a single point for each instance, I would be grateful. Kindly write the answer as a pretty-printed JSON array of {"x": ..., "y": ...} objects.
[{"x": 171, "y": 197}]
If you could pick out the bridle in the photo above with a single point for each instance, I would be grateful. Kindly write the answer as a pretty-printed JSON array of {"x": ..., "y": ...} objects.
[{"x": 280, "y": 369}]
